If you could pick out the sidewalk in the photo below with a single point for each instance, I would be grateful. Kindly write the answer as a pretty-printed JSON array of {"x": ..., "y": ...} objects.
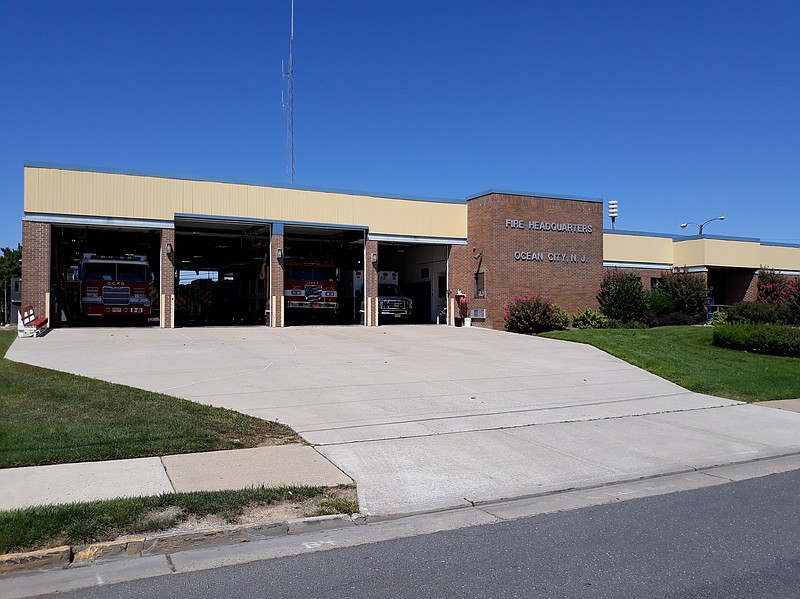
[
  {"x": 209, "y": 471},
  {"x": 272, "y": 466}
]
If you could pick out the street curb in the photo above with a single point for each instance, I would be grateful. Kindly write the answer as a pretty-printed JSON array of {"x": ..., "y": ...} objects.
[
  {"x": 85, "y": 555},
  {"x": 43, "y": 559},
  {"x": 79, "y": 556}
]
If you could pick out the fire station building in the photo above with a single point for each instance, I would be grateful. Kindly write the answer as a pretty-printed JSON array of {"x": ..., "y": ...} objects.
[{"x": 221, "y": 252}]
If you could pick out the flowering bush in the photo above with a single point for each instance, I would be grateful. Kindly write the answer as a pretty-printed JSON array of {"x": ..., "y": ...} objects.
[
  {"x": 532, "y": 314},
  {"x": 792, "y": 304},
  {"x": 772, "y": 287},
  {"x": 621, "y": 297}
]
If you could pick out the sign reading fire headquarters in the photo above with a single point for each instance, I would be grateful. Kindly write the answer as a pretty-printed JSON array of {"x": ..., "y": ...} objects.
[{"x": 549, "y": 256}]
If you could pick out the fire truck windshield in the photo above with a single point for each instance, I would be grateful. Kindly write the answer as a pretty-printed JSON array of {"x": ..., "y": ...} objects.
[
  {"x": 136, "y": 273},
  {"x": 310, "y": 273}
]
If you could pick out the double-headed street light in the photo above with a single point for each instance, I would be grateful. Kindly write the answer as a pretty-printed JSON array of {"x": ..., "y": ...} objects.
[{"x": 700, "y": 226}]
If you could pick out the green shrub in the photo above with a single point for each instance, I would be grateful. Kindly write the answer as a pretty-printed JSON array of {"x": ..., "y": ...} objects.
[
  {"x": 688, "y": 293},
  {"x": 719, "y": 317},
  {"x": 776, "y": 340},
  {"x": 531, "y": 315},
  {"x": 562, "y": 318},
  {"x": 660, "y": 302},
  {"x": 621, "y": 297},
  {"x": 672, "y": 319},
  {"x": 590, "y": 319},
  {"x": 754, "y": 313}
]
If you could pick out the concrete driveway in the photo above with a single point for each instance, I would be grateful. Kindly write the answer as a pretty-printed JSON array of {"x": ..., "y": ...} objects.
[{"x": 426, "y": 417}]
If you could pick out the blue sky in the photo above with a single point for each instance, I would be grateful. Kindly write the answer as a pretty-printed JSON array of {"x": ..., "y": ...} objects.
[{"x": 678, "y": 110}]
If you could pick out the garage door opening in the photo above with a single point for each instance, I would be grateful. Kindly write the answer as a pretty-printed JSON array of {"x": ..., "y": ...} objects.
[
  {"x": 222, "y": 272},
  {"x": 412, "y": 283},
  {"x": 319, "y": 265},
  {"x": 104, "y": 276}
]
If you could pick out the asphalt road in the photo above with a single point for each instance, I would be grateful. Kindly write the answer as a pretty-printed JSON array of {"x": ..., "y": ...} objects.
[{"x": 732, "y": 540}]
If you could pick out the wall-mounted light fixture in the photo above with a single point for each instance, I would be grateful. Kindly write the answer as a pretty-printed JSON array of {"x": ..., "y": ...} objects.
[
  {"x": 374, "y": 258},
  {"x": 279, "y": 253},
  {"x": 168, "y": 249}
]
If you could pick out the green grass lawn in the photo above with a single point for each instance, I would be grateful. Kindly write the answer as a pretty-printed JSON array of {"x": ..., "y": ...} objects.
[
  {"x": 50, "y": 417},
  {"x": 684, "y": 355},
  {"x": 79, "y": 523}
]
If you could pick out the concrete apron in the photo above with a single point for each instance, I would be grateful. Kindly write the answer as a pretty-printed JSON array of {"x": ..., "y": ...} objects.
[{"x": 427, "y": 417}]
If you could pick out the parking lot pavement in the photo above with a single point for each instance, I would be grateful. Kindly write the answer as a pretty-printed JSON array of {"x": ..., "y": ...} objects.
[{"x": 425, "y": 417}]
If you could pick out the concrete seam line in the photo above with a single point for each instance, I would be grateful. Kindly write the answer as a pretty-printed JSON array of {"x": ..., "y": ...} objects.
[
  {"x": 169, "y": 478},
  {"x": 485, "y": 413},
  {"x": 327, "y": 459},
  {"x": 513, "y": 426}
]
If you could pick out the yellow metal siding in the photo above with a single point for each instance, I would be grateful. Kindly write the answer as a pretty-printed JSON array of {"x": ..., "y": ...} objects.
[
  {"x": 56, "y": 191},
  {"x": 780, "y": 258},
  {"x": 637, "y": 248},
  {"x": 717, "y": 252}
]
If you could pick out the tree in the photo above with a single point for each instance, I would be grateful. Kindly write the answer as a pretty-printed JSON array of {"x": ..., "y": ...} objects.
[{"x": 10, "y": 265}]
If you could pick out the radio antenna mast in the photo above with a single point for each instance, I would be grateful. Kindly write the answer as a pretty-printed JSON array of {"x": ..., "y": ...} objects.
[{"x": 288, "y": 103}]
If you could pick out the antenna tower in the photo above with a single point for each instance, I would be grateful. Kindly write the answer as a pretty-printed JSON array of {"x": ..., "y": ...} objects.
[{"x": 288, "y": 103}]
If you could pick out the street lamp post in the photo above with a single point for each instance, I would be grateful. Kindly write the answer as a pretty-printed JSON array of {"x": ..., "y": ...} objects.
[{"x": 700, "y": 226}]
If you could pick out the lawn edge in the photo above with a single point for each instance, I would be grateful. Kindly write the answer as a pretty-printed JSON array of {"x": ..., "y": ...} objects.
[{"x": 77, "y": 556}]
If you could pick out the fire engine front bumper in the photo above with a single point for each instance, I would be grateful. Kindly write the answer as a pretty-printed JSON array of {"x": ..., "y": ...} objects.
[{"x": 116, "y": 310}]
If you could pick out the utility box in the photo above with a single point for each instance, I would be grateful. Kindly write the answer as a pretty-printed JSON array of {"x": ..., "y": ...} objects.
[{"x": 16, "y": 300}]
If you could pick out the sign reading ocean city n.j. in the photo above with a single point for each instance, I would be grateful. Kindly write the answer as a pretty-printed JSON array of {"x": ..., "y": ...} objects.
[{"x": 541, "y": 256}]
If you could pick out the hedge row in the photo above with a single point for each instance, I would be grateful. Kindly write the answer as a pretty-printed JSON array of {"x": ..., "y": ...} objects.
[{"x": 775, "y": 340}]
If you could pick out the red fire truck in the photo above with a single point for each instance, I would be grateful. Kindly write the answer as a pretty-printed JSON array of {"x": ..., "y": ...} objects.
[
  {"x": 115, "y": 285},
  {"x": 311, "y": 285}
]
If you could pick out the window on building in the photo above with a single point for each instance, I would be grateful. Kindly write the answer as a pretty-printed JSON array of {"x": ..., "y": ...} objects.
[
  {"x": 424, "y": 273},
  {"x": 480, "y": 287},
  {"x": 655, "y": 282}
]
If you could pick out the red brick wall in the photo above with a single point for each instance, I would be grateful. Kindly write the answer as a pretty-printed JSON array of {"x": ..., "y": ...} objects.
[
  {"x": 167, "y": 279},
  {"x": 371, "y": 283},
  {"x": 741, "y": 286},
  {"x": 36, "y": 266},
  {"x": 276, "y": 281},
  {"x": 571, "y": 265}
]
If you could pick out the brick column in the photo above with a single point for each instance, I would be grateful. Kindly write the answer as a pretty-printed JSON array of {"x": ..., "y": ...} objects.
[
  {"x": 277, "y": 316},
  {"x": 460, "y": 276},
  {"x": 167, "y": 292},
  {"x": 370, "y": 284},
  {"x": 36, "y": 267}
]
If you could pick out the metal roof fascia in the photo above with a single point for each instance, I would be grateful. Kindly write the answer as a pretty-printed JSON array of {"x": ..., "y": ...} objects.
[
  {"x": 552, "y": 196},
  {"x": 415, "y": 239},
  {"x": 788, "y": 273},
  {"x": 642, "y": 265},
  {"x": 133, "y": 223},
  {"x": 636, "y": 233},
  {"x": 780, "y": 245},
  {"x": 678, "y": 238}
]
